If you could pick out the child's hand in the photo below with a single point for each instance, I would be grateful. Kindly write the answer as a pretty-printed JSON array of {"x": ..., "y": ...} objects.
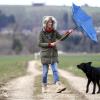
[
  {"x": 70, "y": 30},
  {"x": 53, "y": 44}
]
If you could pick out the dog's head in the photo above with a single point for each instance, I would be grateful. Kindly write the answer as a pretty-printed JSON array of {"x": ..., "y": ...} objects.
[{"x": 84, "y": 65}]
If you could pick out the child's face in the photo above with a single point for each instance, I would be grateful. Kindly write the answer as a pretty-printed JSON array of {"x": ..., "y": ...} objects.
[{"x": 49, "y": 24}]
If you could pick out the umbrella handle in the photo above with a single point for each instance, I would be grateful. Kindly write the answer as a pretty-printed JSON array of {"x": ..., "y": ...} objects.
[
  {"x": 61, "y": 38},
  {"x": 74, "y": 28},
  {"x": 65, "y": 36}
]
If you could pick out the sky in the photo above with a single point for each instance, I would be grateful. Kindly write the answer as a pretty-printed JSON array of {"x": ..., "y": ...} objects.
[{"x": 95, "y": 3}]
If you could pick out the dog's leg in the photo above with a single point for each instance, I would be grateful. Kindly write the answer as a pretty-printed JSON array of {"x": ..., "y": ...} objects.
[
  {"x": 98, "y": 86},
  {"x": 87, "y": 87},
  {"x": 94, "y": 86}
]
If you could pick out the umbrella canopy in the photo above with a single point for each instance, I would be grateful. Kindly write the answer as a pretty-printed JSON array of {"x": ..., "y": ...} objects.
[{"x": 84, "y": 22}]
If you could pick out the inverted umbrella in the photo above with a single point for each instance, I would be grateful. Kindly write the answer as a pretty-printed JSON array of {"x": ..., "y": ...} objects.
[{"x": 83, "y": 22}]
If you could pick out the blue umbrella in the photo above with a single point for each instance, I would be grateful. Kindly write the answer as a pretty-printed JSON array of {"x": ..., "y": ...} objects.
[{"x": 84, "y": 22}]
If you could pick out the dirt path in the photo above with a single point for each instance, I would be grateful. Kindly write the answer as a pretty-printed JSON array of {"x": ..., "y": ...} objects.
[
  {"x": 22, "y": 88},
  {"x": 68, "y": 94},
  {"x": 79, "y": 83}
]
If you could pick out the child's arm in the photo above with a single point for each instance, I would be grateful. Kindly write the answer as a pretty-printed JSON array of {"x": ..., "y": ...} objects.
[{"x": 64, "y": 36}]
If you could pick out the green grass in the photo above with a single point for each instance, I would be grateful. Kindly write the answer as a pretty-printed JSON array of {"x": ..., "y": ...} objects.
[
  {"x": 12, "y": 66},
  {"x": 69, "y": 62}
]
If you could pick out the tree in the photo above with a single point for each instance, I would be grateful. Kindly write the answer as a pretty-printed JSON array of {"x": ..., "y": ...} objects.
[
  {"x": 17, "y": 46},
  {"x": 11, "y": 19},
  {"x": 6, "y": 20},
  {"x": 65, "y": 18}
]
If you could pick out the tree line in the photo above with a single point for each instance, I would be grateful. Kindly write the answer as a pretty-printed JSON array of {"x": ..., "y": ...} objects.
[
  {"x": 6, "y": 20},
  {"x": 31, "y": 19}
]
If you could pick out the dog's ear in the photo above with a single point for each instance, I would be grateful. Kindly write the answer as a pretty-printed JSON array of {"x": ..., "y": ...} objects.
[{"x": 89, "y": 63}]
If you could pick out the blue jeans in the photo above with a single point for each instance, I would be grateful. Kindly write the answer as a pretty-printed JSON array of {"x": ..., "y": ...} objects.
[{"x": 45, "y": 72}]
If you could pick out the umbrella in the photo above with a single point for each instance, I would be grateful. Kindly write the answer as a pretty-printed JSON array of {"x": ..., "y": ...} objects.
[{"x": 84, "y": 22}]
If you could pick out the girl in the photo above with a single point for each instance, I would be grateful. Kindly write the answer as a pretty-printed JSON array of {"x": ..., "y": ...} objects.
[{"x": 49, "y": 54}]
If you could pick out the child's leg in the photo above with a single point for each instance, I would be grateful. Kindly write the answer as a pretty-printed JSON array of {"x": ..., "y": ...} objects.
[
  {"x": 60, "y": 86},
  {"x": 45, "y": 73},
  {"x": 55, "y": 72}
]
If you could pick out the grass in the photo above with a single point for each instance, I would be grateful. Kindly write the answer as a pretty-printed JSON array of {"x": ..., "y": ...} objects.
[
  {"x": 12, "y": 66},
  {"x": 69, "y": 62}
]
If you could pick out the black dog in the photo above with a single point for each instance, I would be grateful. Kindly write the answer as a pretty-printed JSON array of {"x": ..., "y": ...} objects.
[{"x": 93, "y": 75}]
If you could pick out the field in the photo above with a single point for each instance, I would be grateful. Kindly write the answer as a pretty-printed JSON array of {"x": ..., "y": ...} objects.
[
  {"x": 69, "y": 62},
  {"x": 12, "y": 66}
]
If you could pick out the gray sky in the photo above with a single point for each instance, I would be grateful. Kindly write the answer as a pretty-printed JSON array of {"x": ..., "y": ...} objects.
[{"x": 51, "y": 2}]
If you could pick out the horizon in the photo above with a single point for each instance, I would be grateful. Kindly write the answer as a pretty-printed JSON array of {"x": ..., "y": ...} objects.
[
  {"x": 46, "y": 5},
  {"x": 92, "y": 3}
]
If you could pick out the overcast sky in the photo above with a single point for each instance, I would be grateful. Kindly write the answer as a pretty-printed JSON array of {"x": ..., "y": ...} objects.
[{"x": 51, "y": 2}]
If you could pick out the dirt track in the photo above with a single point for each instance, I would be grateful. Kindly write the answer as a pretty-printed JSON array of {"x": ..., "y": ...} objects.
[
  {"x": 22, "y": 88},
  {"x": 79, "y": 84}
]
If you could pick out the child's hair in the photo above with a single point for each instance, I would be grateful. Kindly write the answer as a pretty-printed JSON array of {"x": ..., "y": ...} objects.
[{"x": 47, "y": 18}]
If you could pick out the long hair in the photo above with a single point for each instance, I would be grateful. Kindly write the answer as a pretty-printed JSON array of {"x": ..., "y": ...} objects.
[{"x": 45, "y": 20}]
